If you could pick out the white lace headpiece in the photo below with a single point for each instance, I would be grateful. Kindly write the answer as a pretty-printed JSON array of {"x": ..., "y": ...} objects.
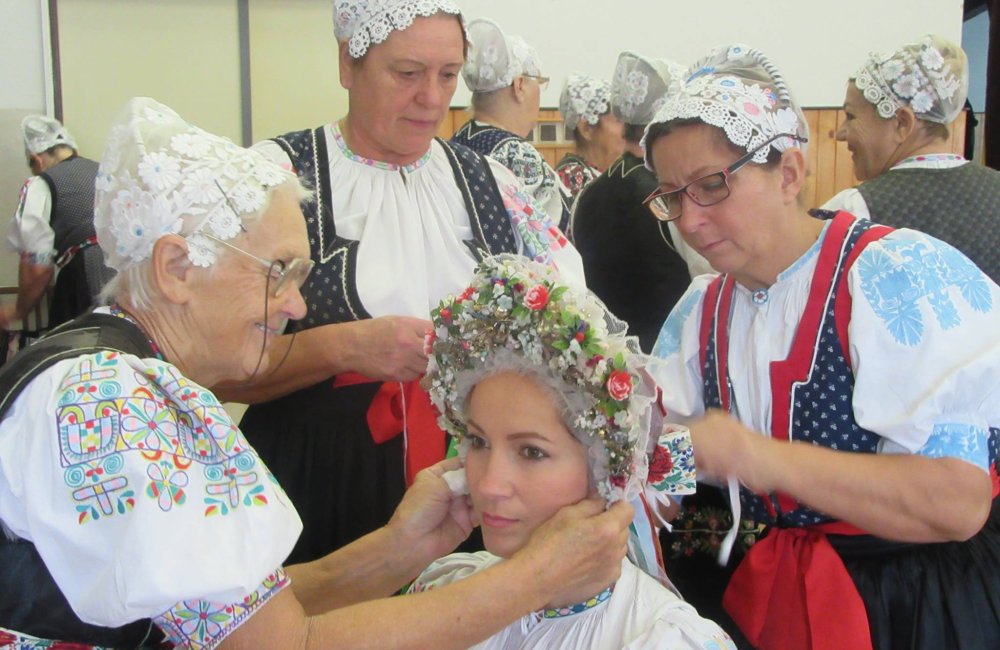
[
  {"x": 739, "y": 90},
  {"x": 160, "y": 175},
  {"x": 584, "y": 98},
  {"x": 364, "y": 23},
  {"x": 496, "y": 59},
  {"x": 640, "y": 86},
  {"x": 930, "y": 76},
  {"x": 41, "y": 133}
]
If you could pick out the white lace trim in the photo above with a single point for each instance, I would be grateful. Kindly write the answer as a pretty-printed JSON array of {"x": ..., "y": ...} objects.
[{"x": 369, "y": 22}]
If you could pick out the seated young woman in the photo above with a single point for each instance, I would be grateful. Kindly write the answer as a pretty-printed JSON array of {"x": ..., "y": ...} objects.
[{"x": 550, "y": 401}]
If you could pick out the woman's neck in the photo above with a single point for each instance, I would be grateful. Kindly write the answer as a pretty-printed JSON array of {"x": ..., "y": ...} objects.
[
  {"x": 799, "y": 238},
  {"x": 360, "y": 144},
  {"x": 165, "y": 328}
]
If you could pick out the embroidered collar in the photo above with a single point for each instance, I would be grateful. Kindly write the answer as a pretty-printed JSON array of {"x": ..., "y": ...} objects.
[
  {"x": 338, "y": 137},
  {"x": 570, "y": 610},
  {"x": 116, "y": 310}
]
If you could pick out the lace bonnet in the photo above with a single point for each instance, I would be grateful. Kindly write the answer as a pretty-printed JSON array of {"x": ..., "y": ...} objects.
[
  {"x": 160, "y": 175},
  {"x": 931, "y": 77},
  {"x": 517, "y": 315},
  {"x": 496, "y": 59},
  {"x": 640, "y": 85},
  {"x": 364, "y": 23},
  {"x": 584, "y": 98},
  {"x": 739, "y": 90},
  {"x": 41, "y": 133}
]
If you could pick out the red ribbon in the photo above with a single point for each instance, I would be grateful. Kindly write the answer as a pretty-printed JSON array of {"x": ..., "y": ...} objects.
[
  {"x": 792, "y": 592},
  {"x": 424, "y": 439}
]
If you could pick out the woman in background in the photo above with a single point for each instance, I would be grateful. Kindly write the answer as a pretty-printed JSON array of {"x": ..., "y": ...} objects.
[{"x": 585, "y": 104}]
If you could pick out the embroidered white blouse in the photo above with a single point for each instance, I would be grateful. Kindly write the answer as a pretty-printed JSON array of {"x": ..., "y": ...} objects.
[
  {"x": 412, "y": 223},
  {"x": 637, "y": 614},
  {"x": 143, "y": 498},
  {"x": 924, "y": 339},
  {"x": 29, "y": 232}
]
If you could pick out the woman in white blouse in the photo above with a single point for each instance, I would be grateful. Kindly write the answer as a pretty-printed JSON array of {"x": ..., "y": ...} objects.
[
  {"x": 840, "y": 375},
  {"x": 400, "y": 220},
  {"x": 131, "y": 503}
]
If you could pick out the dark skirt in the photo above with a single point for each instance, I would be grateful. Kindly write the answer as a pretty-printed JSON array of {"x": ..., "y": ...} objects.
[
  {"x": 317, "y": 444},
  {"x": 929, "y": 596}
]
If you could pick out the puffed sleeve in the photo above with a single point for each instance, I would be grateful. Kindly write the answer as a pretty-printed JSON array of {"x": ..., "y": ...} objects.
[
  {"x": 142, "y": 496},
  {"x": 676, "y": 364},
  {"x": 30, "y": 232},
  {"x": 849, "y": 200},
  {"x": 925, "y": 346}
]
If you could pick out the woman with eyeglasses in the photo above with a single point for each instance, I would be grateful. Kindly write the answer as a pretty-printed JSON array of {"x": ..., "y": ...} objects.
[
  {"x": 132, "y": 506},
  {"x": 504, "y": 74},
  {"x": 839, "y": 377},
  {"x": 400, "y": 221}
]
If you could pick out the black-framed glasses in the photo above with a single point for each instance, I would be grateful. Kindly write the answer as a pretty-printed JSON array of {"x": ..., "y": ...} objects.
[
  {"x": 281, "y": 275},
  {"x": 543, "y": 82},
  {"x": 707, "y": 190}
]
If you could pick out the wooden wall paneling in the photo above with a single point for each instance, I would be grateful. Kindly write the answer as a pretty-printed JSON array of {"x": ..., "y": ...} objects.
[
  {"x": 827, "y": 155},
  {"x": 812, "y": 159},
  {"x": 958, "y": 135},
  {"x": 843, "y": 174}
]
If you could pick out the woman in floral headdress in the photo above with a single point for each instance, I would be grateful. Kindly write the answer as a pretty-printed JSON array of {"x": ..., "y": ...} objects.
[
  {"x": 401, "y": 220},
  {"x": 550, "y": 401},
  {"x": 839, "y": 375},
  {"x": 585, "y": 104},
  {"x": 900, "y": 108}
]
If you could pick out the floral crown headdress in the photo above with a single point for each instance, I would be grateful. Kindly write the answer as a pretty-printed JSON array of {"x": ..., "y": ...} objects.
[
  {"x": 365, "y": 23},
  {"x": 584, "y": 98},
  {"x": 519, "y": 314},
  {"x": 496, "y": 59},
  {"x": 160, "y": 175},
  {"x": 930, "y": 76},
  {"x": 739, "y": 90}
]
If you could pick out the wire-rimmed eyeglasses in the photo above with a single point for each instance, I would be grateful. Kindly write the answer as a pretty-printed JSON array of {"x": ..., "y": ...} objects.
[
  {"x": 707, "y": 190},
  {"x": 281, "y": 275}
]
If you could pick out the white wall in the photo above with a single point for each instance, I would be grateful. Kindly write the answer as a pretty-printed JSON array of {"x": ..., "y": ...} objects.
[
  {"x": 22, "y": 91},
  {"x": 817, "y": 45}
]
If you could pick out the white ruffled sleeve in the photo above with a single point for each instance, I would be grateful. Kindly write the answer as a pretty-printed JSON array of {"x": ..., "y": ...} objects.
[
  {"x": 925, "y": 348},
  {"x": 452, "y": 568},
  {"x": 676, "y": 364},
  {"x": 142, "y": 497},
  {"x": 30, "y": 232}
]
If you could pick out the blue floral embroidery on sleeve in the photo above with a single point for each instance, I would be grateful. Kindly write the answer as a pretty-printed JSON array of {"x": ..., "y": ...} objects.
[
  {"x": 200, "y": 624},
  {"x": 669, "y": 340},
  {"x": 956, "y": 440},
  {"x": 897, "y": 277}
]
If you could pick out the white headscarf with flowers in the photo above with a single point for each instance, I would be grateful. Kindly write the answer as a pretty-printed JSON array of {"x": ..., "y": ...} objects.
[
  {"x": 496, "y": 59},
  {"x": 518, "y": 315},
  {"x": 365, "y": 23},
  {"x": 930, "y": 76}
]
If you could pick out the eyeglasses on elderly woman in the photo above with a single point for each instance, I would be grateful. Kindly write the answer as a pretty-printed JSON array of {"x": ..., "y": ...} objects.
[
  {"x": 707, "y": 190},
  {"x": 281, "y": 275}
]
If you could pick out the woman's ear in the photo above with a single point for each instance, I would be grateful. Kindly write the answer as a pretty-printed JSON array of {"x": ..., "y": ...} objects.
[
  {"x": 346, "y": 63},
  {"x": 518, "y": 88},
  {"x": 170, "y": 269},
  {"x": 586, "y": 129},
  {"x": 793, "y": 174},
  {"x": 906, "y": 124}
]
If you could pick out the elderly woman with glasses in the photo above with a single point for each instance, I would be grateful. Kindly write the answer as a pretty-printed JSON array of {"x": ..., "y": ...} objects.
[
  {"x": 400, "y": 221},
  {"x": 131, "y": 503},
  {"x": 504, "y": 74},
  {"x": 840, "y": 376}
]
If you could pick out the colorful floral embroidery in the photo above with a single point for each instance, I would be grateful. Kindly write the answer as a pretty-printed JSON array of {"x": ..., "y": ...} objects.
[
  {"x": 539, "y": 236},
  {"x": 577, "y": 608},
  {"x": 701, "y": 529},
  {"x": 199, "y": 624},
  {"x": 170, "y": 421},
  {"x": 338, "y": 137},
  {"x": 10, "y": 640}
]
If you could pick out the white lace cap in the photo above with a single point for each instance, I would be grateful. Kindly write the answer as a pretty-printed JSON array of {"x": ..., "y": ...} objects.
[
  {"x": 584, "y": 98},
  {"x": 41, "y": 133},
  {"x": 930, "y": 76},
  {"x": 161, "y": 175},
  {"x": 364, "y": 23},
  {"x": 739, "y": 90},
  {"x": 496, "y": 59},
  {"x": 640, "y": 86}
]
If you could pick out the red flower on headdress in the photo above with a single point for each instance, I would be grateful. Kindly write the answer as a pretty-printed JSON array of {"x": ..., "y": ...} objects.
[
  {"x": 537, "y": 297},
  {"x": 619, "y": 385},
  {"x": 660, "y": 464}
]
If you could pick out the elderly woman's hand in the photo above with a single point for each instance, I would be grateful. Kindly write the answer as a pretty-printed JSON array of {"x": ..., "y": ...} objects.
[
  {"x": 578, "y": 552},
  {"x": 389, "y": 348},
  {"x": 431, "y": 521},
  {"x": 724, "y": 447}
]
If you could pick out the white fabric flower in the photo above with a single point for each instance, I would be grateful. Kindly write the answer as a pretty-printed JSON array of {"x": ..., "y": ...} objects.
[
  {"x": 906, "y": 86},
  {"x": 922, "y": 102},
  {"x": 931, "y": 58}
]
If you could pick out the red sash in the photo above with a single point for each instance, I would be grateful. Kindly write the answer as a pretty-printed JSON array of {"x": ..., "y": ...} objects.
[
  {"x": 424, "y": 443},
  {"x": 792, "y": 592}
]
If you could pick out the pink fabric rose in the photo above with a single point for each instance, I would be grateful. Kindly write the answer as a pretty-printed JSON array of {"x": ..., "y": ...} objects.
[
  {"x": 620, "y": 385},
  {"x": 536, "y": 298}
]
